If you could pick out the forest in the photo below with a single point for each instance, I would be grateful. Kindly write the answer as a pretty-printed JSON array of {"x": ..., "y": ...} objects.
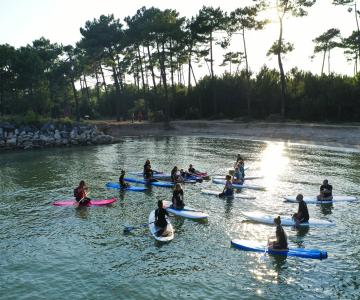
[{"x": 151, "y": 58}]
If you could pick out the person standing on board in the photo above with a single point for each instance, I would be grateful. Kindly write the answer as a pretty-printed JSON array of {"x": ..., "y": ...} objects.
[
  {"x": 325, "y": 191},
  {"x": 281, "y": 238},
  {"x": 302, "y": 215},
  {"x": 160, "y": 218},
  {"x": 80, "y": 193},
  {"x": 228, "y": 188},
  {"x": 178, "y": 197}
]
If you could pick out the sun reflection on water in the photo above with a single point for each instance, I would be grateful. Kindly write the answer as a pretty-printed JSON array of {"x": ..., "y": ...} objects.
[{"x": 273, "y": 163}]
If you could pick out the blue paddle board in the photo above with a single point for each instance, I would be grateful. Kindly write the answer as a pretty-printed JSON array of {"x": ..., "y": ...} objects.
[
  {"x": 115, "y": 185},
  {"x": 261, "y": 247}
]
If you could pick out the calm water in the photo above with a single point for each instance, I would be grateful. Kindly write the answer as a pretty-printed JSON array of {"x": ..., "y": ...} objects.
[{"x": 49, "y": 252}]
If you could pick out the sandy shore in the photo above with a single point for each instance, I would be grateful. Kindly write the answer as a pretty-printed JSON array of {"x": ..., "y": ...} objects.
[{"x": 329, "y": 135}]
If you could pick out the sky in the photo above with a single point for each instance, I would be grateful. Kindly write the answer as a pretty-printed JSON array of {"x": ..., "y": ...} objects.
[{"x": 22, "y": 21}]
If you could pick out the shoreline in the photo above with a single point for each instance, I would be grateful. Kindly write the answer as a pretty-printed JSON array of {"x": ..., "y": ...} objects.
[{"x": 345, "y": 136}]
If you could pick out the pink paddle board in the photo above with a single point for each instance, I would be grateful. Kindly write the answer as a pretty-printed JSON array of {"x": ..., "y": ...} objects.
[{"x": 91, "y": 203}]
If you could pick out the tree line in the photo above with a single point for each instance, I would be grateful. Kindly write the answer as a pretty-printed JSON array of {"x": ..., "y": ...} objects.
[{"x": 151, "y": 58}]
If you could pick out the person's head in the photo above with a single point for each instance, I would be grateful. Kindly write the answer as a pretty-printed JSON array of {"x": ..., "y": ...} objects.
[
  {"x": 175, "y": 168},
  {"x": 148, "y": 162},
  {"x": 178, "y": 187},
  {"x": 325, "y": 182},
  {"x": 277, "y": 220},
  {"x": 181, "y": 170},
  {"x": 238, "y": 156},
  {"x": 82, "y": 183},
  {"x": 190, "y": 166},
  {"x": 228, "y": 177},
  {"x": 299, "y": 197},
  {"x": 160, "y": 204},
  {"x": 122, "y": 172}
]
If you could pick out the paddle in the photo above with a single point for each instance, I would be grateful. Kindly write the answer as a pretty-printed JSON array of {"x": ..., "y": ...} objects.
[
  {"x": 266, "y": 249},
  {"x": 128, "y": 229}
]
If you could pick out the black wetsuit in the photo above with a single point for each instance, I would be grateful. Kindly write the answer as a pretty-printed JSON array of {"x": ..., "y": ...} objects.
[
  {"x": 328, "y": 192},
  {"x": 303, "y": 212},
  {"x": 178, "y": 199},
  {"x": 160, "y": 217},
  {"x": 281, "y": 238},
  {"x": 192, "y": 170},
  {"x": 148, "y": 173}
]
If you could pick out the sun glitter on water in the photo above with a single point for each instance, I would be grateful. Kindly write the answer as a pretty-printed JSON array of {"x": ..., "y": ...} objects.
[{"x": 273, "y": 163}]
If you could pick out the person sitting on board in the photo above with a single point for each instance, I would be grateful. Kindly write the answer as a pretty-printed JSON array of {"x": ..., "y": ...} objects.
[
  {"x": 178, "y": 197},
  {"x": 184, "y": 174},
  {"x": 281, "y": 238},
  {"x": 148, "y": 172},
  {"x": 122, "y": 183},
  {"x": 80, "y": 193},
  {"x": 228, "y": 188},
  {"x": 192, "y": 169},
  {"x": 160, "y": 218},
  {"x": 302, "y": 215},
  {"x": 238, "y": 177},
  {"x": 175, "y": 175},
  {"x": 325, "y": 191}
]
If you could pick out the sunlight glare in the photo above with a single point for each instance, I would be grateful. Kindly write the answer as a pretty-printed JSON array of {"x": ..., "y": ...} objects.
[{"x": 273, "y": 163}]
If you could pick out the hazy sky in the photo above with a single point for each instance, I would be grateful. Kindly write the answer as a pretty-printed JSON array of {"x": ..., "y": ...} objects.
[{"x": 22, "y": 21}]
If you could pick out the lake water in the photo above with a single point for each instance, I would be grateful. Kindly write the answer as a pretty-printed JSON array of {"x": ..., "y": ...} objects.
[{"x": 49, "y": 252}]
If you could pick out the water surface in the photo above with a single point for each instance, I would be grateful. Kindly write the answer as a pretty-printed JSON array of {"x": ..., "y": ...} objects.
[{"x": 50, "y": 252}]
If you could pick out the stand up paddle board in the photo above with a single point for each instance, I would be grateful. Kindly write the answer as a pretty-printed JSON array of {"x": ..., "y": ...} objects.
[
  {"x": 246, "y": 177},
  {"x": 313, "y": 199},
  {"x": 285, "y": 221},
  {"x": 240, "y": 186},
  {"x": 115, "y": 185},
  {"x": 262, "y": 247},
  {"x": 168, "y": 234},
  {"x": 186, "y": 212},
  {"x": 154, "y": 183},
  {"x": 216, "y": 193},
  {"x": 91, "y": 203}
]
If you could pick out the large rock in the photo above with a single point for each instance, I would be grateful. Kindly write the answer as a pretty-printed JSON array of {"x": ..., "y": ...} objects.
[
  {"x": 12, "y": 142},
  {"x": 103, "y": 139}
]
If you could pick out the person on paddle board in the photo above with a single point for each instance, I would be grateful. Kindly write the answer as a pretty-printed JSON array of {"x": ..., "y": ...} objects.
[
  {"x": 238, "y": 176},
  {"x": 80, "y": 193},
  {"x": 176, "y": 175},
  {"x": 228, "y": 188},
  {"x": 160, "y": 218},
  {"x": 281, "y": 238},
  {"x": 302, "y": 215},
  {"x": 192, "y": 170},
  {"x": 178, "y": 197},
  {"x": 239, "y": 159},
  {"x": 325, "y": 191},
  {"x": 122, "y": 183},
  {"x": 148, "y": 172}
]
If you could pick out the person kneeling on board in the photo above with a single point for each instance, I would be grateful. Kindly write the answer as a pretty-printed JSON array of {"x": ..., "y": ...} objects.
[
  {"x": 281, "y": 238},
  {"x": 80, "y": 193},
  {"x": 122, "y": 183},
  {"x": 325, "y": 191},
  {"x": 228, "y": 188},
  {"x": 160, "y": 218},
  {"x": 302, "y": 215},
  {"x": 178, "y": 197}
]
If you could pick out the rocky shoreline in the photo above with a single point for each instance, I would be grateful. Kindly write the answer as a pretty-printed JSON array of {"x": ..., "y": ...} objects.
[{"x": 14, "y": 137}]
